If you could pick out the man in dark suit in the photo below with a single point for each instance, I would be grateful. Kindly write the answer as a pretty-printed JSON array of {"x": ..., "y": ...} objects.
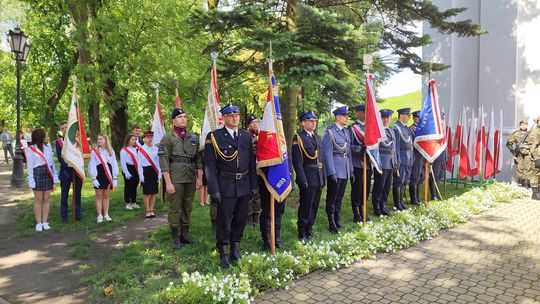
[
  {"x": 416, "y": 170},
  {"x": 229, "y": 164},
  {"x": 310, "y": 173},
  {"x": 67, "y": 176}
]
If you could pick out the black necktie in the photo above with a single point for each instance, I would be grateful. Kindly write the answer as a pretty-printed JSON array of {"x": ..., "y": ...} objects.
[{"x": 235, "y": 137}]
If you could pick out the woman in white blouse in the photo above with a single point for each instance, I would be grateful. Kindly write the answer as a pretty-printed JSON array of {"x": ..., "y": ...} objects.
[
  {"x": 130, "y": 171},
  {"x": 42, "y": 176},
  {"x": 149, "y": 172},
  {"x": 103, "y": 169}
]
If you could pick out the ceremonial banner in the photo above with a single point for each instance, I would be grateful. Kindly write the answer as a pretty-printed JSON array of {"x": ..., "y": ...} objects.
[
  {"x": 429, "y": 136},
  {"x": 157, "y": 123},
  {"x": 212, "y": 115},
  {"x": 463, "y": 141},
  {"x": 471, "y": 146},
  {"x": 272, "y": 158},
  {"x": 71, "y": 152},
  {"x": 374, "y": 127}
]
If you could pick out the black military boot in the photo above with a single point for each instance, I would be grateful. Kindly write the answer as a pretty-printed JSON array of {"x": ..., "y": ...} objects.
[
  {"x": 376, "y": 210},
  {"x": 535, "y": 194},
  {"x": 384, "y": 211},
  {"x": 395, "y": 194},
  {"x": 301, "y": 234},
  {"x": 361, "y": 213},
  {"x": 412, "y": 193},
  {"x": 235, "y": 251},
  {"x": 184, "y": 235},
  {"x": 433, "y": 190},
  {"x": 332, "y": 224},
  {"x": 175, "y": 238},
  {"x": 278, "y": 238},
  {"x": 309, "y": 232},
  {"x": 255, "y": 219},
  {"x": 401, "y": 198},
  {"x": 266, "y": 240},
  {"x": 356, "y": 215},
  {"x": 337, "y": 220},
  {"x": 223, "y": 258}
]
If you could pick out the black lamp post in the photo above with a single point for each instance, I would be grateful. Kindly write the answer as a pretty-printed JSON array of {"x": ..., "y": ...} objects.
[{"x": 19, "y": 47}]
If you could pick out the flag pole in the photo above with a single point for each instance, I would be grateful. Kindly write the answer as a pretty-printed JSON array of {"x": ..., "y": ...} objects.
[
  {"x": 74, "y": 80},
  {"x": 272, "y": 198},
  {"x": 364, "y": 196},
  {"x": 426, "y": 176},
  {"x": 160, "y": 184}
]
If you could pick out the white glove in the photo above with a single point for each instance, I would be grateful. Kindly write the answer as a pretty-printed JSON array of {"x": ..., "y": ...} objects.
[
  {"x": 32, "y": 184},
  {"x": 56, "y": 180},
  {"x": 141, "y": 178},
  {"x": 128, "y": 176},
  {"x": 96, "y": 183},
  {"x": 114, "y": 183}
]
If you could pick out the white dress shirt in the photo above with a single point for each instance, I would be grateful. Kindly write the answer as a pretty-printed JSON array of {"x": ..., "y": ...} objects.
[
  {"x": 152, "y": 152},
  {"x": 33, "y": 160},
  {"x": 107, "y": 158},
  {"x": 125, "y": 159}
]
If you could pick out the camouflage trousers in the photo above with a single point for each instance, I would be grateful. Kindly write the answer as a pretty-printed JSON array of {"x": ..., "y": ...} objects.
[{"x": 530, "y": 171}]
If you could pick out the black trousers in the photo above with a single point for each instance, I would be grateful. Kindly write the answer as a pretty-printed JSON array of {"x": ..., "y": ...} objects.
[
  {"x": 357, "y": 188},
  {"x": 130, "y": 185},
  {"x": 66, "y": 179},
  {"x": 232, "y": 215},
  {"x": 381, "y": 187},
  {"x": 309, "y": 205},
  {"x": 334, "y": 195},
  {"x": 265, "y": 218}
]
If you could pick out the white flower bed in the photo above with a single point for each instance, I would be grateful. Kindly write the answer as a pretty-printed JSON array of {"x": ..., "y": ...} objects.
[{"x": 261, "y": 271}]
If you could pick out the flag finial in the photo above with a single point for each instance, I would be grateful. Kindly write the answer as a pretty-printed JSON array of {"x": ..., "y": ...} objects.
[
  {"x": 74, "y": 80},
  {"x": 155, "y": 86},
  {"x": 214, "y": 56},
  {"x": 175, "y": 83}
]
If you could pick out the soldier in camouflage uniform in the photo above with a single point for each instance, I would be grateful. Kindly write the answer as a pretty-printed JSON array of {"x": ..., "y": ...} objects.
[
  {"x": 531, "y": 151},
  {"x": 181, "y": 165},
  {"x": 512, "y": 144}
]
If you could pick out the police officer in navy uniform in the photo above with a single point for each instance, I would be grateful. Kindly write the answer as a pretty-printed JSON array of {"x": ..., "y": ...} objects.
[
  {"x": 389, "y": 164},
  {"x": 358, "y": 148},
  {"x": 229, "y": 164},
  {"x": 416, "y": 169},
  {"x": 404, "y": 149},
  {"x": 310, "y": 173},
  {"x": 336, "y": 143}
]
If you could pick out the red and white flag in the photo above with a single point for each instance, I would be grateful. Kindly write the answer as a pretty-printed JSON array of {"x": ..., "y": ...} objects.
[
  {"x": 374, "y": 127},
  {"x": 471, "y": 146},
  {"x": 463, "y": 149},
  {"x": 212, "y": 115},
  {"x": 157, "y": 123},
  {"x": 499, "y": 144},
  {"x": 481, "y": 140},
  {"x": 489, "y": 168},
  {"x": 449, "y": 151}
]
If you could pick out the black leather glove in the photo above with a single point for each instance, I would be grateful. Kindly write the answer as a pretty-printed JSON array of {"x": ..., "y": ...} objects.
[
  {"x": 333, "y": 178},
  {"x": 253, "y": 193},
  {"x": 352, "y": 179},
  {"x": 216, "y": 198}
]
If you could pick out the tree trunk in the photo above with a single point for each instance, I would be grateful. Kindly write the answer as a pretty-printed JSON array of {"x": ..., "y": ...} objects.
[
  {"x": 119, "y": 128},
  {"x": 80, "y": 14},
  {"x": 290, "y": 112}
]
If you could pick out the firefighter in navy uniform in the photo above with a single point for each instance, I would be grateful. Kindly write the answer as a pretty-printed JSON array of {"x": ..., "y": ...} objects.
[
  {"x": 404, "y": 149},
  {"x": 310, "y": 173},
  {"x": 336, "y": 148},
  {"x": 416, "y": 169},
  {"x": 229, "y": 164},
  {"x": 358, "y": 149},
  {"x": 389, "y": 164}
]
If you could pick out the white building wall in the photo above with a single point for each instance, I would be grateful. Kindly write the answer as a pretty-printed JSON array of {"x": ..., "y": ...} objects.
[{"x": 499, "y": 70}]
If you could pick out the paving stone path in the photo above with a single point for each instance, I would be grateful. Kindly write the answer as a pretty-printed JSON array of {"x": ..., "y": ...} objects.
[{"x": 494, "y": 258}]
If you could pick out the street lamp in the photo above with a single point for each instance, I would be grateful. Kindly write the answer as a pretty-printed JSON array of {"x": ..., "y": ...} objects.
[{"x": 20, "y": 47}]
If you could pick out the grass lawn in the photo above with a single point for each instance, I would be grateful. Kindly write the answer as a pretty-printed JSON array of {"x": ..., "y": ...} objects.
[
  {"x": 144, "y": 267},
  {"x": 117, "y": 210},
  {"x": 412, "y": 100}
]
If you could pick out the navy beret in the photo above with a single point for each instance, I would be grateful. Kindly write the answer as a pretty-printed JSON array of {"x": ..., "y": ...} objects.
[{"x": 176, "y": 112}]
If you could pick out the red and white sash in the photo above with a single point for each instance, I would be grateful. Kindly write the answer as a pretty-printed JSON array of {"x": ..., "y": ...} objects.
[
  {"x": 133, "y": 158},
  {"x": 358, "y": 133},
  {"x": 105, "y": 167},
  {"x": 141, "y": 150},
  {"x": 61, "y": 143},
  {"x": 40, "y": 154}
]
